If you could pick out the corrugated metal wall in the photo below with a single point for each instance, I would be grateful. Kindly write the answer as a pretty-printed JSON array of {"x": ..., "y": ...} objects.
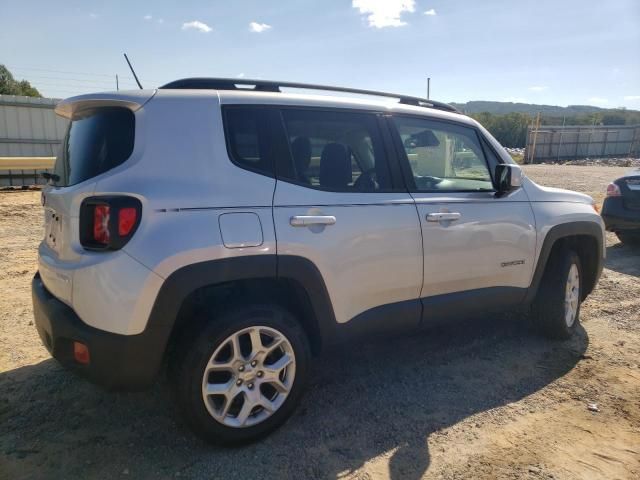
[
  {"x": 29, "y": 127},
  {"x": 572, "y": 142}
]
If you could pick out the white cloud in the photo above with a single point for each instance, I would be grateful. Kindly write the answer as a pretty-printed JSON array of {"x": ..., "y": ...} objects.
[
  {"x": 147, "y": 17},
  {"x": 93, "y": 15},
  {"x": 161, "y": 21},
  {"x": 258, "y": 27},
  {"x": 598, "y": 100},
  {"x": 384, "y": 13},
  {"x": 197, "y": 25},
  {"x": 633, "y": 98},
  {"x": 538, "y": 88},
  {"x": 240, "y": 75},
  {"x": 431, "y": 12}
]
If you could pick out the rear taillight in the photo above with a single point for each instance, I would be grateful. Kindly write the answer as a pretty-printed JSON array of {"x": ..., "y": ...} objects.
[
  {"x": 127, "y": 219},
  {"x": 108, "y": 223},
  {"x": 101, "y": 224},
  {"x": 613, "y": 190}
]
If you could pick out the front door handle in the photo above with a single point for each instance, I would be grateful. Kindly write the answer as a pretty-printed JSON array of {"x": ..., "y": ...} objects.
[
  {"x": 443, "y": 217},
  {"x": 308, "y": 220}
]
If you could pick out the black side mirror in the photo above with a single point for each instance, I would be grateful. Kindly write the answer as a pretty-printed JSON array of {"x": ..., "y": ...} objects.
[{"x": 508, "y": 177}]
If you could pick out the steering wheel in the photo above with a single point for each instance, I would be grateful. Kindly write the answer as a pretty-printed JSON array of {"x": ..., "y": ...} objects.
[{"x": 427, "y": 182}]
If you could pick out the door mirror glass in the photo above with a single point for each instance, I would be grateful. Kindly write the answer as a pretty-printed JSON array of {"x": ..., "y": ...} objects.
[{"x": 508, "y": 178}]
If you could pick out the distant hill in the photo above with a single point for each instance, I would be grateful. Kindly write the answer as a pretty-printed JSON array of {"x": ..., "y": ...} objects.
[{"x": 479, "y": 106}]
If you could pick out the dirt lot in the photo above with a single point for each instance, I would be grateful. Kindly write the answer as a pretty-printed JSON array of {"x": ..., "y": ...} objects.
[{"x": 482, "y": 399}]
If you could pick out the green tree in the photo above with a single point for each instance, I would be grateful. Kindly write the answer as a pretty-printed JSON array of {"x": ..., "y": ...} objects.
[{"x": 11, "y": 86}]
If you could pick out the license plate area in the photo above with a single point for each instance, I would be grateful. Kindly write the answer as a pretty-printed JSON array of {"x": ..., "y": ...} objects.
[{"x": 53, "y": 229}]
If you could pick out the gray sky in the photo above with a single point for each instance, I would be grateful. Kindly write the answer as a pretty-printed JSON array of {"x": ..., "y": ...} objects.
[{"x": 556, "y": 52}]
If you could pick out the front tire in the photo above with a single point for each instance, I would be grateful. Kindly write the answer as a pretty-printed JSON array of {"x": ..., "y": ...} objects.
[
  {"x": 239, "y": 376},
  {"x": 556, "y": 309}
]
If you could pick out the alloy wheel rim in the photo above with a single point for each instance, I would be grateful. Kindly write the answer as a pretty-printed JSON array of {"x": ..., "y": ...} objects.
[
  {"x": 249, "y": 376},
  {"x": 572, "y": 295}
]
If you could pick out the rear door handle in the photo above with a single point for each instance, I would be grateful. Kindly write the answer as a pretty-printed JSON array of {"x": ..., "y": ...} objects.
[
  {"x": 443, "y": 217},
  {"x": 307, "y": 220}
]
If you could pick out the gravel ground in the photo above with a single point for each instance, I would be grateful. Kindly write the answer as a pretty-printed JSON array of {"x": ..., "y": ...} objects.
[{"x": 480, "y": 399}]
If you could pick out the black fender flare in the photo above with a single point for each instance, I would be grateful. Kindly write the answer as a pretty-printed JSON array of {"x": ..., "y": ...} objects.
[
  {"x": 187, "y": 279},
  {"x": 564, "y": 230}
]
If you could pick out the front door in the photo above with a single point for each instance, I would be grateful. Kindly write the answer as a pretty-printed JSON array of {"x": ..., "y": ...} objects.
[{"x": 478, "y": 248}]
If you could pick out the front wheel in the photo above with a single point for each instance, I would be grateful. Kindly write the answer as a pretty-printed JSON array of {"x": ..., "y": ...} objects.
[
  {"x": 556, "y": 309},
  {"x": 241, "y": 375}
]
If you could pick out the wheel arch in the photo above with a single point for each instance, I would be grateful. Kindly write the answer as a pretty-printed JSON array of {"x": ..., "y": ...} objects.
[
  {"x": 291, "y": 282},
  {"x": 586, "y": 239}
]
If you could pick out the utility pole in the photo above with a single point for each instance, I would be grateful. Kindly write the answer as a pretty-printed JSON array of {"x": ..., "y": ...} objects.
[
  {"x": 428, "y": 87},
  {"x": 117, "y": 85},
  {"x": 535, "y": 139}
]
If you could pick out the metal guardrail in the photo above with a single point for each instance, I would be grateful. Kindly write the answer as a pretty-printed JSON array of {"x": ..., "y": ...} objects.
[
  {"x": 27, "y": 163},
  {"x": 20, "y": 171}
]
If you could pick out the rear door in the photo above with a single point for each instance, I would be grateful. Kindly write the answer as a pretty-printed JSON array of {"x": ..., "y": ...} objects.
[
  {"x": 478, "y": 248},
  {"x": 340, "y": 202}
]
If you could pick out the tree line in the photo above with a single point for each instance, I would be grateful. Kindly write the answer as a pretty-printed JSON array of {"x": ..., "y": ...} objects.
[{"x": 11, "y": 86}]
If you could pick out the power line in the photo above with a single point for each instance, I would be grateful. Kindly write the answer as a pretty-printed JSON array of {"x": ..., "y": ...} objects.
[
  {"x": 65, "y": 72},
  {"x": 81, "y": 80}
]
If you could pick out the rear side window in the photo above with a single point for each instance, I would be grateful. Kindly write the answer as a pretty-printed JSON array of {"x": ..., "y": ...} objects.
[
  {"x": 336, "y": 151},
  {"x": 248, "y": 139},
  {"x": 96, "y": 141}
]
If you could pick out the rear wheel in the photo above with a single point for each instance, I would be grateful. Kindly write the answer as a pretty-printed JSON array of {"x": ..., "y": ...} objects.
[
  {"x": 242, "y": 375},
  {"x": 629, "y": 238},
  {"x": 556, "y": 309}
]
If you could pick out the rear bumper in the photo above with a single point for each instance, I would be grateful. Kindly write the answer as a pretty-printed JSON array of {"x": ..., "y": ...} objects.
[
  {"x": 119, "y": 362},
  {"x": 616, "y": 217}
]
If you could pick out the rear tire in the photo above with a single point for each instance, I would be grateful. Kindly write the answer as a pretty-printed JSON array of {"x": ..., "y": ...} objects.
[
  {"x": 556, "y": 309},
  {"x": 255, "y": 396},
  {"x": 629, "y": 238}
]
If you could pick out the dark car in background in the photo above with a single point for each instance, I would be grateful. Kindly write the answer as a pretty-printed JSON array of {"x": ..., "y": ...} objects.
[{"x": 621, "y": 208}]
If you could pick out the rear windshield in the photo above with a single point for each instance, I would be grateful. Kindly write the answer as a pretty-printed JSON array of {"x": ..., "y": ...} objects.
[{"x": 97, "y": 141}]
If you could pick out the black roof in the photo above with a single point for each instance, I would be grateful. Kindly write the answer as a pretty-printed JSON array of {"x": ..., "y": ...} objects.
[{"x": 203, "y": 83}]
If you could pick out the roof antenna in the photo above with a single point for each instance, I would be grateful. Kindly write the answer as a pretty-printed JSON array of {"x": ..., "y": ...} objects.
[{"x": 133, "y": 71}]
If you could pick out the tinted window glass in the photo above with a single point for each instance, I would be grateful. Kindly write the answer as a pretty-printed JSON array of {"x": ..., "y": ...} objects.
[
  {"x": 443, "y": 156},
  {"x": 248, "y": 138},
  {"x": 97, "y": 141},
  {"x": 336, "y": 151}
]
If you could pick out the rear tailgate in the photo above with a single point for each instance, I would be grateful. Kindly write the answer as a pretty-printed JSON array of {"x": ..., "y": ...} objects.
[
  {"x": 630, "y": 189},
  {"x": 100, "y": 137}
]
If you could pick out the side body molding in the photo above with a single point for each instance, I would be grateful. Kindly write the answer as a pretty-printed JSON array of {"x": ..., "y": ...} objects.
[{"x": 563, "y": 230}]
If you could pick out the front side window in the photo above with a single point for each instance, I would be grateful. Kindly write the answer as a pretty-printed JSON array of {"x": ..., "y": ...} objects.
[
  {"x": 336, "y": 151},
  {"x": 443, "y": 156}
]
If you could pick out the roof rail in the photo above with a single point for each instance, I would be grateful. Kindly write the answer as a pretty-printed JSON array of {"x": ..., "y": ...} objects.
[{"x": 203, "y": 83}]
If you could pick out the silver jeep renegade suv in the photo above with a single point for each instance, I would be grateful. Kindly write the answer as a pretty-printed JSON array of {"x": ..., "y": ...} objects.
[{"x": 232, "y": 231}]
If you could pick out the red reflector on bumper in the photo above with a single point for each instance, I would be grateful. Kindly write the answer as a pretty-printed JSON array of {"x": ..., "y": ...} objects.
[{"x": 81, "y": 353}]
